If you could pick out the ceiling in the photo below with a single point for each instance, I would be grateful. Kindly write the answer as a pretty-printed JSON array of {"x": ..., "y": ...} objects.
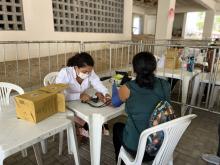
[{"x": 181, "y": 5}]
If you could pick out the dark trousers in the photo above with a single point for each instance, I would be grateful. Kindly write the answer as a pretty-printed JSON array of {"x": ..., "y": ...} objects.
[
  {"x": 218, "y": 152},
  {"x": 117, "y": 138},
  {"x": 118, "y": 142}
]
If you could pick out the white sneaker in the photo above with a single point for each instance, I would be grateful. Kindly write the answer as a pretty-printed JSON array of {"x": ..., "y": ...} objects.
[{"x": 211, "y": 158}]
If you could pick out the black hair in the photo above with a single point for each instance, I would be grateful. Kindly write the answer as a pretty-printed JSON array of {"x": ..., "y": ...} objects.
[
  {"x": 81, "y": 60},
  {"x": 144, "y": 64}
]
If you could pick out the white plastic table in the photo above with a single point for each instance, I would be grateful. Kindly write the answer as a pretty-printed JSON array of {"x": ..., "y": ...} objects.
[
  {"x": 182, "y": 75},
  {"x": 204, "y": 78},
  {"x": 16, "y": 134},
  {"x": 95, "y": 117}
]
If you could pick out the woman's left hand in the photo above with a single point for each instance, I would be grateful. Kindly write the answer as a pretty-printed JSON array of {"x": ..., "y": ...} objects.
[
  {"x": 103, "y": 98},
  {"x": 100, "y": 96},
  {"x": 107, "y": 97}
]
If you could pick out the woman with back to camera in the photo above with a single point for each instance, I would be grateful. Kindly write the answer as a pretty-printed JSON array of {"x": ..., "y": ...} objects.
[
  {"x": 79, "y": 74},
  {"x": 140, "y": 97}
]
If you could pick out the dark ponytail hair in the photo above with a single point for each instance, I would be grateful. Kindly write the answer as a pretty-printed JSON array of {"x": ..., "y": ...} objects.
[
  {"x": 81, "y": 60},
  {"x": 144, "y": 64}
]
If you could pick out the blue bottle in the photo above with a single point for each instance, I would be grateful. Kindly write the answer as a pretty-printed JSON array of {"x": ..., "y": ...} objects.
[
  {"x": 116, "y": 102},
  {"x": 191, "y": 63}
]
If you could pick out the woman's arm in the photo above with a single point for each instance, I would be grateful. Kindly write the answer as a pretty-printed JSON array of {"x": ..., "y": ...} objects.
[
  {"x": 124, "y": 93},
  {"x": 97, "y": 84}
]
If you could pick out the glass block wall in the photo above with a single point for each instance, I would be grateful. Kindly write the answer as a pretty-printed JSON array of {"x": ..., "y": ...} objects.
[
  {"x": 11, "y": 15},
  {"x": 99, "y": 16}
]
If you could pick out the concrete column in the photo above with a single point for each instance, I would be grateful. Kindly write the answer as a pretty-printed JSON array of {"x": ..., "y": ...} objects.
[
  {"x": 208, "y": 24},
  {"x": 184, "y": 25},
  {"x": 164, "y": 25},
  {"x": 145, "y": 24}
]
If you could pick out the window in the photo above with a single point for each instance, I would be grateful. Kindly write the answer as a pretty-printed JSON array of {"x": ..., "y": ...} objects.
[
  {"x": 194, "y": 25},
  {"x": 216, "y": 27},
  {"x": 88, "y": 16},
  {"x": 11, "y": 15},
  {"x": 137, "y": 24}
]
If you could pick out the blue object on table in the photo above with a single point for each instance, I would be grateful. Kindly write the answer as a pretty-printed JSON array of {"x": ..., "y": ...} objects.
[
  {"x": 116, "y": 102},
  {"x": 190, "y": 65}
]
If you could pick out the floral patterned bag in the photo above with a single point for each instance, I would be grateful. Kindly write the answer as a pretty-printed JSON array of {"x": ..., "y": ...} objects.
[{"x": 161, "y": 114}]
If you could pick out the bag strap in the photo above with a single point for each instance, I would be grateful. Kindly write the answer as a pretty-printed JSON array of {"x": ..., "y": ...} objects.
[
  {"x": 164, "y": 96},
  {"x": 132, "y": 119}
]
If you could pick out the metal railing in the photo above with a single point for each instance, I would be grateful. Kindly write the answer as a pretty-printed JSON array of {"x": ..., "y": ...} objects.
[{"x": 26, "y": 63}]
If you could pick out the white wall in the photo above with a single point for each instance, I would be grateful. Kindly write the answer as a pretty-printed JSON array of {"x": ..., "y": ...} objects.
[
  {"x": 210, "y": 4},
  {"x": 184, "y": 25},
  {"x": 178, "y": 21},
  {"x": 150, "y": 24},
  {"x": 39, "y": 26},
  {"x": 138, "y": 10},
  {"x": 38, "y": 18}
]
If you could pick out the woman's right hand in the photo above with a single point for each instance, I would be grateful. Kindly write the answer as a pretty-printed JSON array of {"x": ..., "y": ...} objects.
[{"x": 84, "y": 97}]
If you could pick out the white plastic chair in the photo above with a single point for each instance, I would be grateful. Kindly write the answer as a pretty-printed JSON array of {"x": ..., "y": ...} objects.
[
  {"x": 173, "y": 130},
  {"x": 213, "y": 99},
  {"x": 5, "y": 93},
  {"x": 50, "y": 78}
]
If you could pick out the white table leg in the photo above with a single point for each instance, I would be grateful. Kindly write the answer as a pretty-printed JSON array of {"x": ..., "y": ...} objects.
[
  {"x": 195, "y": 91},
  {"x": 72, "y": 143},
  {"x": 185, "y": 86},
  {"x": 171, "y": 161},
  {"x": 214, "y": 96},
  {"x": 95, "y": 135},
  {"x": 60, "y": 143},
  {"x": 201, "y": 92},
  {"x": 44, "y": 146},
  {"x": 24, "y": 153},
  {"x": 37, "y": 154},
  {"x": 68, "y": 143},
  {"x": 1, "y": 161}
]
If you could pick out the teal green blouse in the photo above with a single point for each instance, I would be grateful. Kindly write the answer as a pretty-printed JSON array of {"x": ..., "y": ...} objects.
[{"x": 140, "y": 105}]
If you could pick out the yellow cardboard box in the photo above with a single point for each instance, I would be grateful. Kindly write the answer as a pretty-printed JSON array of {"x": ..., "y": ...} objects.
[
  {"x": 39, "y": 104},
  {"x": 54, "y": 88},
  {"x": 172, "y": 59}
]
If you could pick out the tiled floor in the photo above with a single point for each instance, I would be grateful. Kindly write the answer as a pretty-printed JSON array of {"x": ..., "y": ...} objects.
[{"x": 200, "y": 137}]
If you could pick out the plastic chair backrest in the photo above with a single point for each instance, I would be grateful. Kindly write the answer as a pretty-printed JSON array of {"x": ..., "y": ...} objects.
[
  {"x": 173, "y": 130},
  {"x": 5, "y": 91},
  {"x": 50, "y": 78}
]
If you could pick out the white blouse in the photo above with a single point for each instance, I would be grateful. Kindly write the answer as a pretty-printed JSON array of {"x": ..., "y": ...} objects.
[{"x": 68, "y": 76}]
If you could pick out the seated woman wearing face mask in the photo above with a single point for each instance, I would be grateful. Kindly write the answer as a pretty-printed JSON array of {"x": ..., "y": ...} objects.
[{"x": 79, "y": 74}]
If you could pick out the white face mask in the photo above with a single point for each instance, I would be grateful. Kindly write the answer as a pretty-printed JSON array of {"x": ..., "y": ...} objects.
[{"x": 83, "y": 75}]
